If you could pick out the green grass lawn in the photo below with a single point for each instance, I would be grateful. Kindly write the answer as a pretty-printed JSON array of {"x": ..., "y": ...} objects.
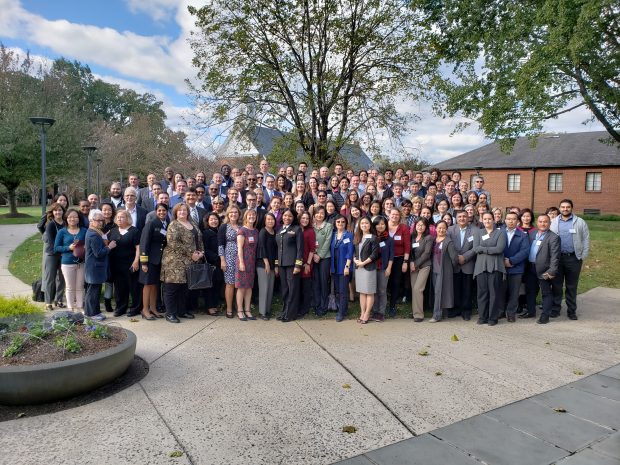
[
  {"x": 33, "y": 214},
  {"x": 600, "y": 269}
]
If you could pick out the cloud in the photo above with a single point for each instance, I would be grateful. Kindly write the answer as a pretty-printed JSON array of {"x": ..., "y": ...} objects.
[
  {"x": 153, "y": 58},
  {"x": 158, "y": 10}
]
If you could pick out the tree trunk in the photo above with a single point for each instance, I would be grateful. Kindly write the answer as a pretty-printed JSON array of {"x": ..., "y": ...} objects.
[{"x": 12, "y": 202}]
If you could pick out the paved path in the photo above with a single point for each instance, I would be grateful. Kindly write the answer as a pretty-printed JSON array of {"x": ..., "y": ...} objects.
[
  {"x": 229, "y": 392},
  {"x": 12, "y": 236}
]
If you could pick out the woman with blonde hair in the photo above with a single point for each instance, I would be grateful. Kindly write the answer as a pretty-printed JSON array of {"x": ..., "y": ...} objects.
[
  {"x": 227, "y": 249},
  {"x": 247, "y": 243}
]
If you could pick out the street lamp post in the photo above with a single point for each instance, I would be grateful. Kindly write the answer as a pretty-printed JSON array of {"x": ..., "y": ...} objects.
[
  {"x": 89, "y": 149},
  {"x": 98, "y": 160},
  {"x": 43, "y": 123}
]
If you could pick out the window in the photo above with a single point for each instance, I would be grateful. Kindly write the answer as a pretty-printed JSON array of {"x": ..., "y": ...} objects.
[
  {"x": 593, "y": 182},
  {"x": 555, "y": 182},
  {"x": 514, "y": 182}
]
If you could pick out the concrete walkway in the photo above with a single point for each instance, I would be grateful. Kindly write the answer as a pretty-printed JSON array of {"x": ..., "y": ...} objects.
[
  {"x": 228, "y": 392},
  {"x": 12, "y": 236}
]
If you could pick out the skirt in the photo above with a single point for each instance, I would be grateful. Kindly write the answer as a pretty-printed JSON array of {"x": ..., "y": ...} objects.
[
  {"x": 365, "y": 281},
  {"x": 151, "y": 276}
]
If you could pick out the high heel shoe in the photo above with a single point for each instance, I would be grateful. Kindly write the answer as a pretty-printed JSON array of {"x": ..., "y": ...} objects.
[
  {"x": 249, "y": 316},
  {"x": 229, "y": 315},
  {"x": 241, "y": 316},
  {"x": 156, "y": 314},
  {"x": 150, "y": 317}
]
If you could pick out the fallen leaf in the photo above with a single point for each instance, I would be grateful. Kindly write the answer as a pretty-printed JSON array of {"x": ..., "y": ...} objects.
[
  {"x": 133, "y": 320},
  {"x": 21, "y": 415},
  {"x": 454, "y": 338},
  {"x": 346, "y": 386},
  {"x": 176, "y": 453},
  {"x": 423, "y": 353},
  {"x": 301, "y": 340},
  {"x": 349, "y": 429},
  {"x": 578, "y": 372},
  {"x": 438, "y": 373},
  {"x": 547, "y": 343},
  {"x": 560, "y": 410}
]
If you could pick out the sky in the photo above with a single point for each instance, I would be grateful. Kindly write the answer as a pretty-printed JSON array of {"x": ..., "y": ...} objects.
[{"x": 142, "y": 45}]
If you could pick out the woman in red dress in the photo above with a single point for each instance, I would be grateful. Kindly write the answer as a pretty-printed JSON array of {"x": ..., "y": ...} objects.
[{"x": 305, "y": 221}]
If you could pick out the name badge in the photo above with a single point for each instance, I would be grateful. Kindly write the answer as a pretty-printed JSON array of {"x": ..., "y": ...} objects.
[
  {"x": 538, "y": 243},
  {"x": 572, "y": 231},
  {"x": 162, "y": 232},
  {"x": 441, "y": 246},
  {"x": 415, "y": 245},
  {"x": 397, "y": 238},
  {"x": 470, "y": 239},
  {"x": 485, "y": 237},
  {"x": 291, "y": 232},
  {"x": 251, "y": 239},
  {"x": 346, "y": 241},
  {"x": 104, "y": 237},
  {"x": 316, "y": 243},
  {"x": 381, "y": 244}
]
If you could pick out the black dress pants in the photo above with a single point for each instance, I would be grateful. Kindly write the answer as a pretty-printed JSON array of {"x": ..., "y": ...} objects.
[
  {"x": 533, "y": 284},
  {"x": 91, "y": 302},
  {"x": 488, "y": 285},
  {"x": 175, "y": 298},
  {"x": 512, "y": 287},
  {"x": 290, "y": 291},
  {"x": 125, "y": 285},
  {"x": 321, "y": 284},
  {"x": 395, "y": 283},
  {"x": 568, "y": 277},
  {"x": 463, "y": 284}
]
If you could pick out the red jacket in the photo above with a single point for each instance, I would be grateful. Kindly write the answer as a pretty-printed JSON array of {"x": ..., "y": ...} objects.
[
  {"x": 402, "y": 241},
  {"x": 309, "y": 246}
]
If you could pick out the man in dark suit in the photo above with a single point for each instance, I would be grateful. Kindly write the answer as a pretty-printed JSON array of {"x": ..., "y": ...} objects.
[
  {"x": 269, "y": 191},
  {"x": 146, "y": 196},
  {"x": 462, "y": 235},
  {"x": 515, "y": 257},
  {"x": 544, "y": 258},
  {"x": 250, "y": 198},
  {"x": 137, "y": 213},
  {"x": 168, "y": 180},
  {"x": 164, "y": 198},
  {"x": 200, "y": 197},
  {"x": 195, "y": 212}
]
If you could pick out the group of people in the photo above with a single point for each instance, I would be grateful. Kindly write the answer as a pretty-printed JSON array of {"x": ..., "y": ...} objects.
[{"x": 317, "y": 238}]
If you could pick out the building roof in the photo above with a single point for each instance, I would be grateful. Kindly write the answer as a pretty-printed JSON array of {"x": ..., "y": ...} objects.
[
  {"x": 264, "y": 139},
  {"x": 550, "y": 151}
]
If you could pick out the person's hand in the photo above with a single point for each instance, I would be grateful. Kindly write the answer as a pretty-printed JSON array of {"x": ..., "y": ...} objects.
[
  {"x": 296, "y": 270},
  {"x": 277, "y": 271},
  {"x": 111, "y": 245},
  {"x": 241, "y": 266},
  {"x": 223, "y": 265},
  {"x": 461, "y": 260},
  {"x": 72, "y": 246},
  {"x": 145, "y": 268},
  {"x": 316, "y": 258},
  {"x": 306, "y": 268},
  {"x": 405, "y": 267},
  {"x": 507, "y": 263},
  {"x": 412, "y": 267},
  {"x": 267, "y": 269},
  {"x": 388, "y": 272},
  {"x": 135, "y": 265},
  {"x": 346, "y": 271}
]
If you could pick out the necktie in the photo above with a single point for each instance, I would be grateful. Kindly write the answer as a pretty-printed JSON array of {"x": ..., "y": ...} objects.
[{"x": 195, "y": 215}]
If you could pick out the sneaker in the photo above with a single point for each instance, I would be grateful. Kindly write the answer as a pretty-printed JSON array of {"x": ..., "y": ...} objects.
[
  {"x": 392, "y": 312},
  {"x": 49, "y": 307},
  {"x": 97, "y": 317},
  {"x": 378, "y": 317},
  {"x": 433, "y": 320},
  {"x": 418, "y": 320}
]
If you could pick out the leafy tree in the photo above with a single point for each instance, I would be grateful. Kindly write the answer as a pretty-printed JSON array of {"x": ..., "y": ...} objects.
[
  {"x": 26, "y": 91},
  {"x": 516, "y": 64},
  {"x": 328, "y": 71}
]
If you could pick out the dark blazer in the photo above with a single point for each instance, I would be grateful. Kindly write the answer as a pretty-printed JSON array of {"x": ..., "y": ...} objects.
[
  {"x": 421, "y": 255},
  {"x": 140, "y": 216},
  {"x": 548, "y": 256},
  {"x": 201, "y": 214},
  {"x": 290, "y": 242},
  {"x": 267, "y": 197},
  {"x": 517, "y": 252},
  {"x": 144, "y": 200},
  {"x": 152, "y": 242},
  {"x": 386, "y": 251},
  {"x": 490, "y": 251},
  {"x": 96, "y": 261},
  {"x": 370, "y": 249},
  {"x": 466, "y": 250}
]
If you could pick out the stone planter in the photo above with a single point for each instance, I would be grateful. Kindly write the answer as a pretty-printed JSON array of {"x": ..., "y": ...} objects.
[{"x": 49, "y": 382}]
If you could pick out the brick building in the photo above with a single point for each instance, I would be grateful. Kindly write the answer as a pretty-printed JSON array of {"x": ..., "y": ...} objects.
[{"x": 577, "y": 166}]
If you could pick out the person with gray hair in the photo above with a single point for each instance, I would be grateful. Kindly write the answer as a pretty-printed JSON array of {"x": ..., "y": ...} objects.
[
  {"x": 478, "y": 188},
  {"x": 96, "y": 263}
]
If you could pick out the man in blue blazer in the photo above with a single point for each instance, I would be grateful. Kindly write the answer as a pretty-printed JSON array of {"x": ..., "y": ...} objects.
[{"x": 515, "y": 256}]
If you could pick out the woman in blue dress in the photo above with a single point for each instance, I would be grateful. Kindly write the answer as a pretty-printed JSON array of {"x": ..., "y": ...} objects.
[{"x": 227, "y": 249}]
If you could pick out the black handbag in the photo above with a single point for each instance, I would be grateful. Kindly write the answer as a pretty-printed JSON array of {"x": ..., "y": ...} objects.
[{"x": 200, "y": 276}]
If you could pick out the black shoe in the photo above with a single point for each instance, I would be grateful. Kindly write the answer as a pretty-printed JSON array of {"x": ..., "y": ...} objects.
[
  {"x": 481, "y": 322},
  {"x": 285, "y": 320},
  {"x": 108, "y": 305},
  {"x": 466, "y": 317},
  {"x": 572, "y": 316},
  {"x": 120, "y": 313},
  {"x": 279, "y": 317},
  {"x": 150, "y": 317},
  {"x": 543, "y": 320},
  {"x": 527, "y": 315},
  {"x": 492, "y": 323},
  {"x": 132, "y": 313},
  {"x": 554, "y": 314},
  {"x": 188, "y": 315},
  {"x": 264, "y": 318},
  {"x": 392, "y": 312},
  {"x": 229, "y": 315},
  {"x": 172, "y": 319}
]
